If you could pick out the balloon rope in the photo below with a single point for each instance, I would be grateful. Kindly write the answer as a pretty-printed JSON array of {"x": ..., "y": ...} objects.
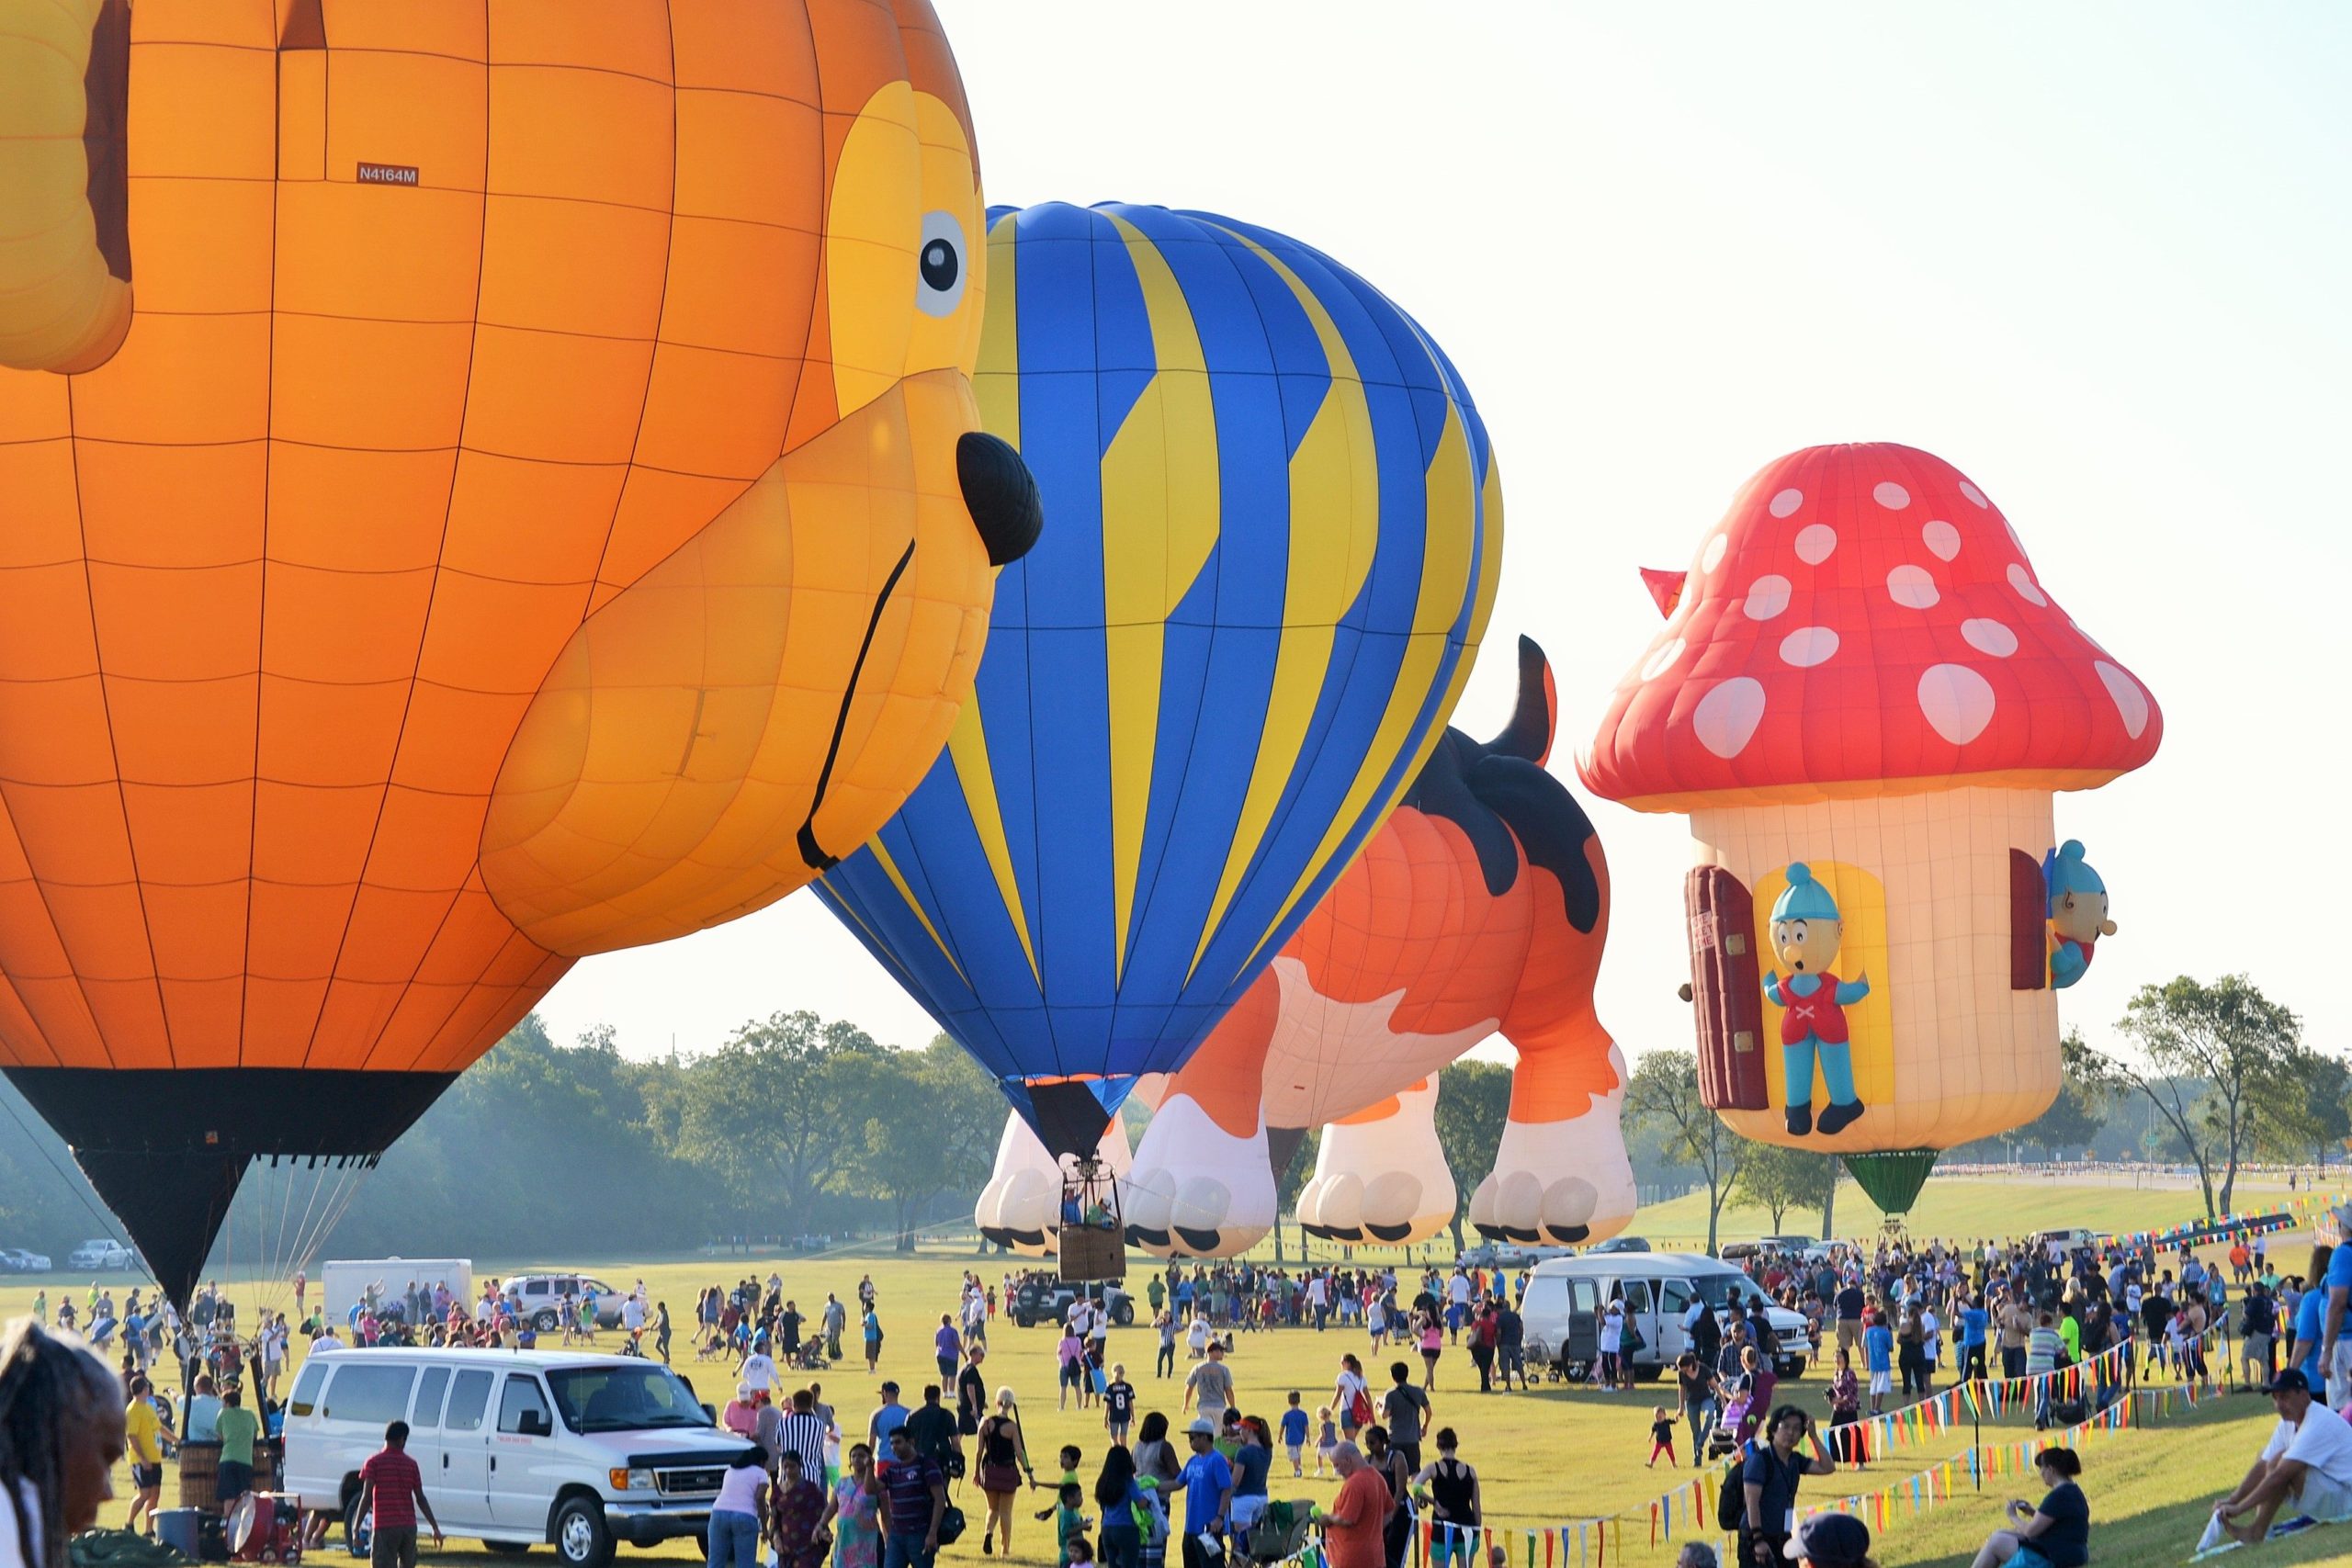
[
  {"x": 317, "y": 1222},
  {"x": 74, "y": 1181}
]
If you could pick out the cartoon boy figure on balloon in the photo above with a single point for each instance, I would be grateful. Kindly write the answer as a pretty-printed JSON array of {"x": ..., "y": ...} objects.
[
  {"x": 2077, "y": 912},
  {"x": 1806, "y": 931}
]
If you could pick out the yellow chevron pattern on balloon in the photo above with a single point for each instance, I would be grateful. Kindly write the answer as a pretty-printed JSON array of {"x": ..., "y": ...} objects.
[
  {"x": 1460, "y": 523},
  {"x": 1334, "y": 520},
  {"x": 1159, "y": 522}
]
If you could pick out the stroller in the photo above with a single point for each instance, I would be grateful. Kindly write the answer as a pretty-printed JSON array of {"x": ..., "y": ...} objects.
[
  {"x": 1278, "y": 1533},
  {"x": 1723, "y": 1438}
]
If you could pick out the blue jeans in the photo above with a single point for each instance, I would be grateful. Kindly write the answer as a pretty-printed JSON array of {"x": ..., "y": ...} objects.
[
  {"x": 1702, "y": 1416},
  {"x": 906, "y": 1551},
  {"x": 1122, "y": 1545},
  {"x": 734, "y": 1540}
]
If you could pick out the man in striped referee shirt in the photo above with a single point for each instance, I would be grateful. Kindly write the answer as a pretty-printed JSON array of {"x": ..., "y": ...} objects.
[{"x": 802, "y": 1432}]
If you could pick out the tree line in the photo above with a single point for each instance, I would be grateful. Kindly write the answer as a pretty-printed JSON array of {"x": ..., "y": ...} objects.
[
  {"x": 795, "y": 1127},
  {"x": 801, "y": 1126}
]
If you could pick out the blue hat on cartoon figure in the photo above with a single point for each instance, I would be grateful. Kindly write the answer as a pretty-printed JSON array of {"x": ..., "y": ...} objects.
[
  {"x": 1805, "y": 899},
  {"x": 2065, "y": 871}
]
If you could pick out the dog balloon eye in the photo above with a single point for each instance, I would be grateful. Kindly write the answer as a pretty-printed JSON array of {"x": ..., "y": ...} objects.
[{"x": 939, "y": 264}]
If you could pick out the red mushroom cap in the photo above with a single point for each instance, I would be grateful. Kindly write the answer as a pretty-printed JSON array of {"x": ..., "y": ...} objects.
[{"x": 1863, "y": 621}]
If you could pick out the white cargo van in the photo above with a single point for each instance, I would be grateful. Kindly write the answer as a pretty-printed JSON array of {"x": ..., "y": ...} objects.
[
  {"x": 516, "y": 1447},
  {"x": 345, "y": 1281},
  {"x": 1566, "y": 1297}
]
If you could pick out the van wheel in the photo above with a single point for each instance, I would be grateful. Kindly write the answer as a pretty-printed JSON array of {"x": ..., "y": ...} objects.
[
  {"x": 581, "y": 1537},
  {"x": 545, "y": 1323}
]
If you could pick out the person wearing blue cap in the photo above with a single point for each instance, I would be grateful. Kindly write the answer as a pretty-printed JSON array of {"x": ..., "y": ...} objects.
[
  {"x": 2077, "y": 912},
  {"x": 1806, "y": 931}
]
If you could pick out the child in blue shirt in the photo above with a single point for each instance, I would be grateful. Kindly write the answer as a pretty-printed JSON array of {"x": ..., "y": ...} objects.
[
  {"x": 1294, "y": 1434},
  {"x": 1878, "y": 1348}
]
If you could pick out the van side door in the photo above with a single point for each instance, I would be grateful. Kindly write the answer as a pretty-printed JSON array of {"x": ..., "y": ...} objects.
[
  {"x": 426, "y": 1447},
  {"x": 465, "y": 1449},
  {"x": 1546, "y": 1312},
  {"x": 1673, "y": 1306}
]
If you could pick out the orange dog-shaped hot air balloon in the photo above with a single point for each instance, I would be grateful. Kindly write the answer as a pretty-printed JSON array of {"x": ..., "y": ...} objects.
[
  {"x": 1481, "y": 907},
  {"x": 486, "y": 483}
]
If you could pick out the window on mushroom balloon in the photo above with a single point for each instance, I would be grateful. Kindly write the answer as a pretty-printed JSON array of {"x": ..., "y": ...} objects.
[{"x": 1861, "y": 949}]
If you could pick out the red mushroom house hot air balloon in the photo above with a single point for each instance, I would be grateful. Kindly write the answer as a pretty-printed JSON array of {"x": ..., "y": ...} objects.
[{"x": 1865, "y": 701}]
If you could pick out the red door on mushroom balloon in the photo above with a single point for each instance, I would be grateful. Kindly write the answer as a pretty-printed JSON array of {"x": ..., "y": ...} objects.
[{"x": 1724, "y": 991}]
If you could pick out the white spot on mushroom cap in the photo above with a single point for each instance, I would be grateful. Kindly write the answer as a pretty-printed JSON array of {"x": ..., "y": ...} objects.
[
  {"x": 1975, "y": 496},
  {"x": 1712, "y": 556},
  {"x": 1808, "y": 646},
  {"x": 1787, "y": 502},
  {"x": 1662, "y": 658},
  {"x": 1891, "y": 496},
  {"x": 1942, "y": 538},
  {"x": 1815, "y": 541},
  {"x": 1956, "y": 700},
  {"x": 2130, "y": 702},
  {"x": 1767, "y": 597},
  {"x": 2022, "y": 580},
  {"x": 1725, "y": 719},
  {"x": 1986, "y": 636},
  {"x": 1911, "y": 587}
]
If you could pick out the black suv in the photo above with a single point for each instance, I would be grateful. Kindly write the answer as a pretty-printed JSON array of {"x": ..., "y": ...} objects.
[{"x": 1043, "y": 1299}]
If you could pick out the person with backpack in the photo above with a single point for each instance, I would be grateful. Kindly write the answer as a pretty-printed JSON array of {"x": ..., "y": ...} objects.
[
  {"x": 1484, "y": 1337},
  {"x": 1351, "y": 1398},
  {"x": 1762, "y": 1505}
]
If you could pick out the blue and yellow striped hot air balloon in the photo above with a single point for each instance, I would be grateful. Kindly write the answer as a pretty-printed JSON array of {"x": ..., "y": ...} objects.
[{"x": 1274, "y": 528}]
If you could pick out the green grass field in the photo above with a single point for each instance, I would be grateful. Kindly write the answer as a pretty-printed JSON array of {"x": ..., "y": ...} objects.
[
  {"x": 1549, "y": 1457},
  {"x": 1955, "y": 1207}
]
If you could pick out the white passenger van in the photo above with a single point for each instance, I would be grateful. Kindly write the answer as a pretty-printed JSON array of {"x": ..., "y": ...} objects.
[
  {"x": 1567, "y": 1296},
  {"x": 516, "y": 1447}
]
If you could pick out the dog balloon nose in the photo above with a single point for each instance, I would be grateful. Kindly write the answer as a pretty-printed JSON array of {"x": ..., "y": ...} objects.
[{"x": 1001, "y": 495}]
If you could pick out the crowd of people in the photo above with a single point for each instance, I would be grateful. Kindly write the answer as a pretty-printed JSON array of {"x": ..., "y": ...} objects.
[
  {"x": 1201, "y": 1477},
  {"x": 1195, "y": 1467}
]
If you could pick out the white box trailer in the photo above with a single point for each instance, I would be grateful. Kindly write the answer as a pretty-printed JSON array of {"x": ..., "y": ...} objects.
[{"x": 343, "y": 1281}]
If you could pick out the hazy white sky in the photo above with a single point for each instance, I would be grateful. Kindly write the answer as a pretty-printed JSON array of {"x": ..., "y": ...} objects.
[{"x": 2094, "y": 255}]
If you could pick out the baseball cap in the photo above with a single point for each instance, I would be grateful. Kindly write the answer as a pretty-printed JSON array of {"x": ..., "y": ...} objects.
[
  {"x": 1830, "y": 1540},
  {"x": 1202, "y": 1426},
  {"x": 2292, "y": 1380},
  {"x": 889, "y": 1388}
]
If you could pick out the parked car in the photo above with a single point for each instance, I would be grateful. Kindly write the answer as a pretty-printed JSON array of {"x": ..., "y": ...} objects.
[
  {"x": 17, "y": 1260},
  {"x": 1042, "y": 1299},
  {"x": 1565, "y": 1300},
  {"x": 576, "y": 1451},
  {"x": 1622, "y": 1243},
  {"x": 1509, "y": 1255},
  {"x": 101, "y": 1253},
  {"x": 538, "y": 1299}
]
